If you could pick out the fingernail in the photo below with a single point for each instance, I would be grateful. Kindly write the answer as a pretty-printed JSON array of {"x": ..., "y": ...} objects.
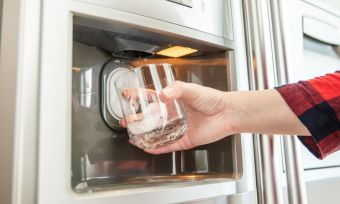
[{"x": 169, "y": 92}]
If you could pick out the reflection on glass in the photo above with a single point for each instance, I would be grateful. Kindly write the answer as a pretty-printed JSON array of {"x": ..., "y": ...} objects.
[{"x": 86, "y": 80}]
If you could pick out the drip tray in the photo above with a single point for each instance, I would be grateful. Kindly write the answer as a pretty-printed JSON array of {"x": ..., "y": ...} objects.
[{"x": 105, "y": 183}]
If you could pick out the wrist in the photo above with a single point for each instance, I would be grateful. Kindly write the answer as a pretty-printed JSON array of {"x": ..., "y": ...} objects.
[{"x": 233, "y": 111}]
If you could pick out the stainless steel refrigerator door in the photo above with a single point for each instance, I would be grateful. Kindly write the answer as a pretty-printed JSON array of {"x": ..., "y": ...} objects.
[
  {"x": 317, "y": 57},
  {"x": 55, "y": 111}
]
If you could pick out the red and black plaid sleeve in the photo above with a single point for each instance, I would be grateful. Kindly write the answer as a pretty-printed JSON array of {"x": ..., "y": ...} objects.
[{"x": 316, "y": 102}]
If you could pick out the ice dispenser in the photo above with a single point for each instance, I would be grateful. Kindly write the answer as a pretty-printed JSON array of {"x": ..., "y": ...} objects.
[{"x": 101, "y": 154}]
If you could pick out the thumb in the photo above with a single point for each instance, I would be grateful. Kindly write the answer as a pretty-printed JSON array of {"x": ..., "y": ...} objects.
[{"x": 186, "y": 92}]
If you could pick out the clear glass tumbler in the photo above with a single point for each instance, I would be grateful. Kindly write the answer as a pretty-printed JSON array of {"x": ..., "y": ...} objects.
[{"x": 150, "y": 122}]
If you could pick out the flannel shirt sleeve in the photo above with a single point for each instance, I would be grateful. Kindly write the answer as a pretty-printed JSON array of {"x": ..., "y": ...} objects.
[{"x": 316, "y": 103}]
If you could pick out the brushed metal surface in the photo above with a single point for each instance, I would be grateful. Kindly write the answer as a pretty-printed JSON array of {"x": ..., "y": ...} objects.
[{"x": 262, "y": 65}]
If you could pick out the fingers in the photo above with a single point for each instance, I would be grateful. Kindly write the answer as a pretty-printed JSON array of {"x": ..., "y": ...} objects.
[
  {"x": 134, "y": 92},
  {"x": 173, "y": 91},
  {"x": 129, "y": 119},
  {"x": 166, "y": 149},
  {"x": 183, "y": 143},
  {"x": 187, "y": 92}
]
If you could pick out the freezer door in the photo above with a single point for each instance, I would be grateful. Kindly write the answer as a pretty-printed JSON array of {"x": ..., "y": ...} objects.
[
  {"x": 316, "y": 46},
  {"x": 319, "y": 59},
  {"x": 321, "y": 55}
]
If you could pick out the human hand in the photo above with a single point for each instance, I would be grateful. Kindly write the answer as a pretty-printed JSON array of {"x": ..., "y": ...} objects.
[{"x": 208, "y": 117}]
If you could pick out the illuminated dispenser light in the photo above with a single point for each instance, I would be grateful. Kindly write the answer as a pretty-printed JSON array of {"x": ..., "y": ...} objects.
[{"x": 177, "y": 51}]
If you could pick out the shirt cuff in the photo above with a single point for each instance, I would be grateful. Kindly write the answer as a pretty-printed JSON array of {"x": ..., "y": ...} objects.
[{"x": 304, "y": 102}]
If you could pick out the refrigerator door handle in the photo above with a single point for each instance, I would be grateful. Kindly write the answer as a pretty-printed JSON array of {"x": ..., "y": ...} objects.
[
  {"x": 261, "y": 65},
  {"x": 268, "y": 60},
  {"x": 281, "y": 15},
  {"x": 321, "y": 30},
  {"x": 294, "y": 170}
]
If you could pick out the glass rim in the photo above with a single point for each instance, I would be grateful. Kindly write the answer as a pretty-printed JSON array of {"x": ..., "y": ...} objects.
[{"x": 132, "y": 70}]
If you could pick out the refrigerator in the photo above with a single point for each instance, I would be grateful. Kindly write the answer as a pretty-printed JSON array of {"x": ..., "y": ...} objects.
[
  {"x": 320, "y": 55},
  {"x": 60, "y": 141}
]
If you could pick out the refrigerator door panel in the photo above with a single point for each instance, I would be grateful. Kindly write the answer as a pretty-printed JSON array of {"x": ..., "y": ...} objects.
[
  {"x": 55, "y": 125},
  {"x": 247, "y": 197},
  {"x": 320, "y": 56},
  {"x": 326, "y": 188},
  {"x": 203, "y": 15},
  {"x": 319, "y": 59},
  {"x": 242, "y": 198},
  {"x": 316, "y": 51},
  {"x": 331, "y": 6},
  {"x": 321, "y": 30}
]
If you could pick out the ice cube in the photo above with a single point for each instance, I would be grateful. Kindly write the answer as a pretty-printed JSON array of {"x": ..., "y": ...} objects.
[
  {"x": 155, "y": 117},
  {"x": 135, "y": 127}
]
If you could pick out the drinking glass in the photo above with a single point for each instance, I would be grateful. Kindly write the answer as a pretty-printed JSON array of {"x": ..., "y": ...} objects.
[{"x": 150, "y": 121}]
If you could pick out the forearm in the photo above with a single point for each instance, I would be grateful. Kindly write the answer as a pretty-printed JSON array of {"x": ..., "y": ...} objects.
[{"x": 262, "y": 112}]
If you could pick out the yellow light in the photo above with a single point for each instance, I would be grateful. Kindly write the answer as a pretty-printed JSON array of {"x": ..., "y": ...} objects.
[{"x": 176, "y": 51}]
